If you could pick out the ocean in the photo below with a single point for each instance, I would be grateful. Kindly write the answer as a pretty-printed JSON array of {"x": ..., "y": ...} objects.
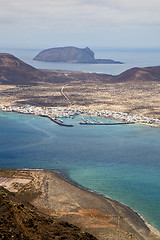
[
  {"x": 130, "y": 57},
  {"x": 118, "y": 161},
  {"x": 121, "y": 162}
]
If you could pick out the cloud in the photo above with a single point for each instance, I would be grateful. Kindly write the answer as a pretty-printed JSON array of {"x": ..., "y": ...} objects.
[
  {"x": 81, "y": 12},
  {"x": 61, "y": 17}
]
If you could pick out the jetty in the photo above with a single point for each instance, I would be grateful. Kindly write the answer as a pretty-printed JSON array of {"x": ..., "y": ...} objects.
[
  {"x": 58, "y": 121},
  {"x": 98, "y": 123}
]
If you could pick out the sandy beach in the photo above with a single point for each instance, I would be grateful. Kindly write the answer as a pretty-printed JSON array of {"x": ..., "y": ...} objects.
[{"x": 54, "y": 195}]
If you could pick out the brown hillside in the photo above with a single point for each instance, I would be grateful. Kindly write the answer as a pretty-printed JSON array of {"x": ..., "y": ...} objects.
[
  {"x": 20, "y": 220},
  {"x": 8, "y": 60},
  {"x": 15, "y": 71},
  {"x": 139, "y": 74}
]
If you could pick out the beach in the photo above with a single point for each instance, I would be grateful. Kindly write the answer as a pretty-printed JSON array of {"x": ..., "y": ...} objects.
[{"x": 56, "y": 196}]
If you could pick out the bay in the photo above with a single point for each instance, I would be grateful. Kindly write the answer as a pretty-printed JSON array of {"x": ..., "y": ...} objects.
[{"x": 120, "y": 161}]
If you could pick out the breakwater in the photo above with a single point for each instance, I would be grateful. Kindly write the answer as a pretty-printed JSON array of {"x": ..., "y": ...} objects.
[
  {"x": 57, "y": 121},
  {"x": 86, "y": 123}
]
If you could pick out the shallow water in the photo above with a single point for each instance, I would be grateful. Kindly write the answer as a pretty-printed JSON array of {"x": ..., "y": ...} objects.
[{"x": 120, "y": 161}]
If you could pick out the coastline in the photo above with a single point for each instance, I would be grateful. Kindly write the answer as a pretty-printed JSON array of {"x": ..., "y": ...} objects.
[
  {"x": 56, "y": 112},
  {"x": 70, "y": 181},
  {"x": 78, "y": 205},
  {"x": 59, "y": 175}
]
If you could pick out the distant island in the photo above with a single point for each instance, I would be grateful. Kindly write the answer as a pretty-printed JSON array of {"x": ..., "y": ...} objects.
[{"x": 72, "y": 55}]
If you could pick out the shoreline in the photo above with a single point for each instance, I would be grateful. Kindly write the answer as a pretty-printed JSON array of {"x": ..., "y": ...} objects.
[
  {"x": 74, "y": 183},
  {"x": 53, "y": 113},
  {"x": 70, "y": 181},
  {"x": 137, "y": 221}
]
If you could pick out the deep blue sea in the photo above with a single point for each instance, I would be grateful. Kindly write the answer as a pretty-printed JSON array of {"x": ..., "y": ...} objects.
[{"x": 122, "y": 161}]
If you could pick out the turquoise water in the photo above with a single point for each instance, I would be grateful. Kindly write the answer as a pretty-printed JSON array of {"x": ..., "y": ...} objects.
[{"x": 121, "y": 161}]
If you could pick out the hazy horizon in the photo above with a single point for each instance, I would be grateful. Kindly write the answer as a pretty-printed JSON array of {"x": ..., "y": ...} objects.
[
  {"x": 105, "y": 24},
  {"x": 93, "y": 48}
]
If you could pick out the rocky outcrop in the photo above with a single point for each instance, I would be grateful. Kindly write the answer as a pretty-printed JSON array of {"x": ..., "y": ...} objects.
[{"x": 71, "y": 55}]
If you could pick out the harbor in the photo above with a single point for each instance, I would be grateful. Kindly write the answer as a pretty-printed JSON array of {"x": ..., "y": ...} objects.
[
  {"x": 57, "y": 121},
  {"x": 54, "y": 114},
  {"x": 99, "y": 124},
  {"x": 94, "y": 122}
]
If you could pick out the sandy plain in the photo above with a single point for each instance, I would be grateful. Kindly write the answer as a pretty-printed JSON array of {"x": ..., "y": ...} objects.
[{"x": 93, "y": 91}]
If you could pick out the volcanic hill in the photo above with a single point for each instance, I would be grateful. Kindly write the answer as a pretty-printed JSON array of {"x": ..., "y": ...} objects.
[
  {"x": 139, "y": 74},
  {"x": 15, "y": 71}
]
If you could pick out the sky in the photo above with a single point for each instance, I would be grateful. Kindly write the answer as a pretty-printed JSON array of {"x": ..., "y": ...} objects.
[{"x": 93, "y": 23}]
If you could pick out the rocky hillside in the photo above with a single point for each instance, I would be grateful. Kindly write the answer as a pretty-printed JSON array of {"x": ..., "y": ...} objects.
[
  {"x": 15, "y": 71},
  {"x": 71, "y": 55},
  {"x": 20, "y": 220},
  {"x": 139, "y": 74}
]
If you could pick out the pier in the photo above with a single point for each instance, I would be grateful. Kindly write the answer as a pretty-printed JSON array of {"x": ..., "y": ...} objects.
[
  {"x": 57, "y": 121},
  {"x": 97, "y": 123},
  {"x": 60, "y": 123}
]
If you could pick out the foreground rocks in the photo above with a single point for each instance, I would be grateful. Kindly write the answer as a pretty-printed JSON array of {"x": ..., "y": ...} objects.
[{"x": 20, "y": 220}]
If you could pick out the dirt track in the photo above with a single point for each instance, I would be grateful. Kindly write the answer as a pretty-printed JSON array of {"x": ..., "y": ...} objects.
[{"x": 93, "y": 91}]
